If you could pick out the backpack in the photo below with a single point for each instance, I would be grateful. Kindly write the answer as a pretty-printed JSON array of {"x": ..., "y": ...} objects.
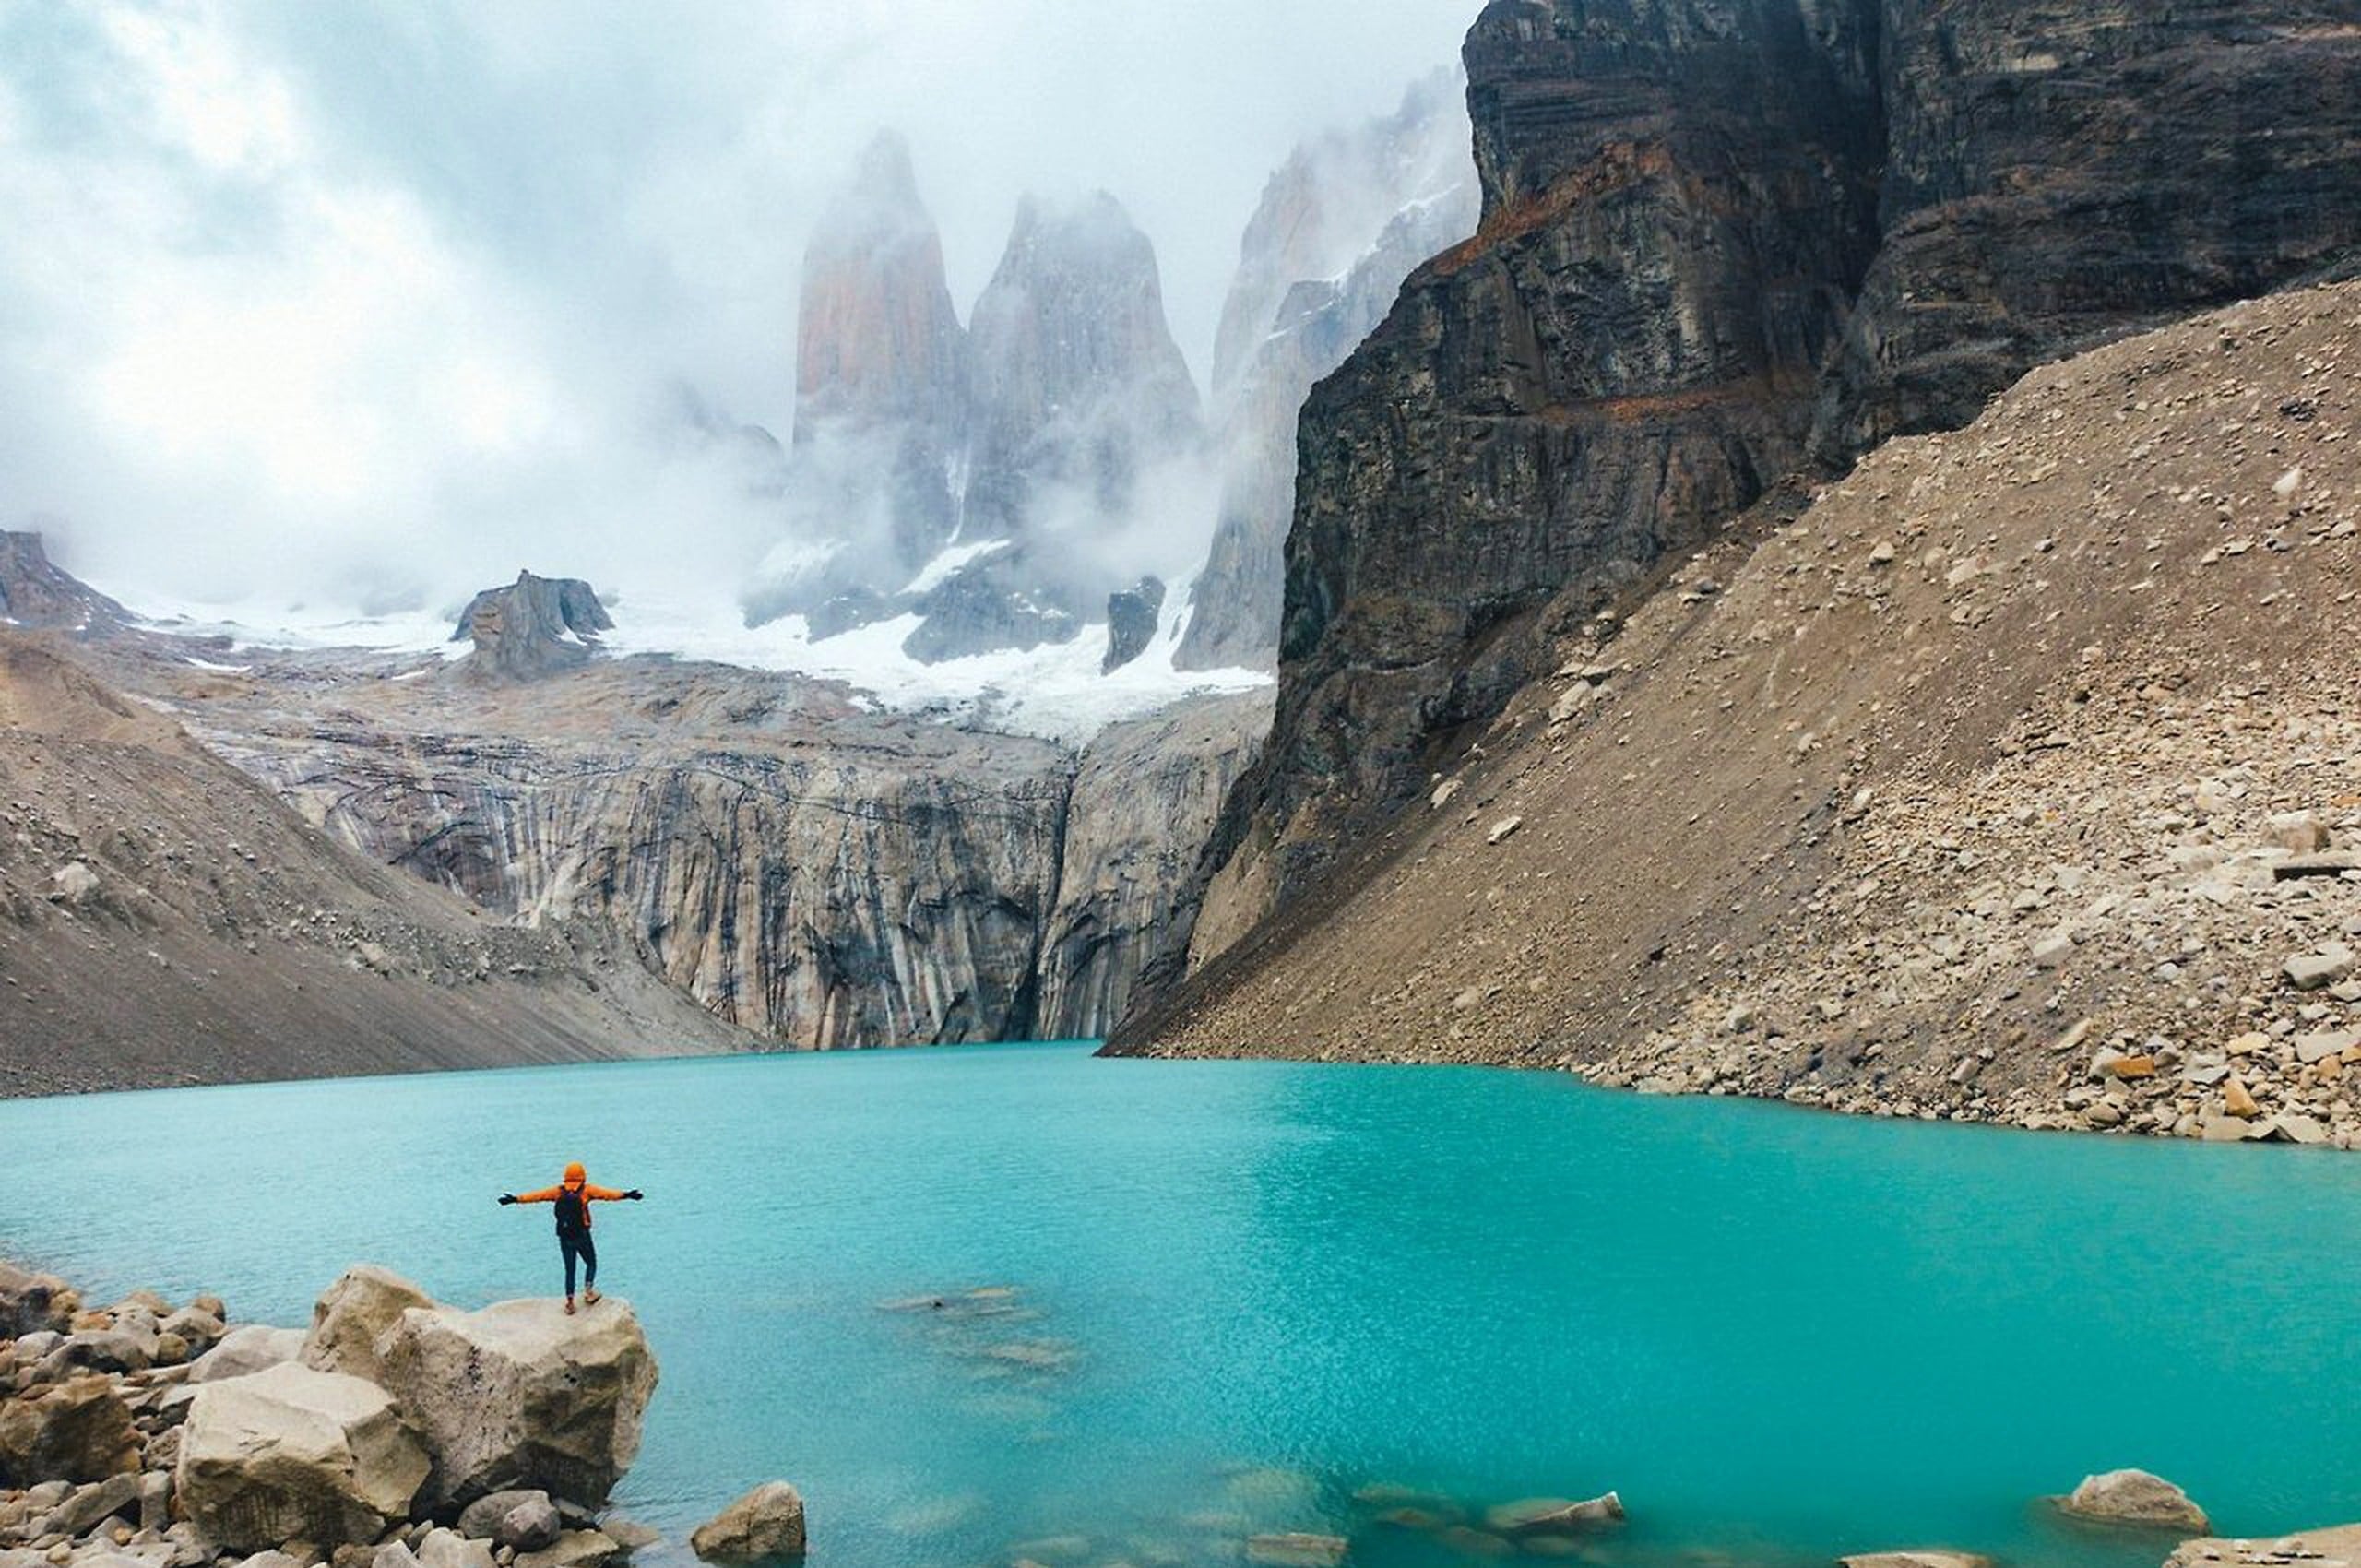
[{"x": 573, "y": 1210}]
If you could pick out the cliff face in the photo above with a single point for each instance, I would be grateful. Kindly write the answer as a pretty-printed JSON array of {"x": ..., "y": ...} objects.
[
  {"x": 1691, "y": 276},
  {"x": 1078, "y": 394},
  {"x": 1143, "y": 801},
  {"x": 820, "y": 876},
  {"x": 2059, "y": 171},
  {"x": 987, "y": 481},
  {"x": 1340, "y": 227}
]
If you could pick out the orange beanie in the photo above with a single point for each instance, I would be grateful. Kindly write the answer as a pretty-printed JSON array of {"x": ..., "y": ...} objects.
[{"x": 575, "y": 1173}]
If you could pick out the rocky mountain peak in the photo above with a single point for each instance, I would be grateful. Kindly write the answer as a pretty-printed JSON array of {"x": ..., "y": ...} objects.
[
  {"x": 876, "y": 337},
  {"x": 1072, "y": 321},
  {"x": 34, "y": 592},
  {"x": 533, "y": 627}
]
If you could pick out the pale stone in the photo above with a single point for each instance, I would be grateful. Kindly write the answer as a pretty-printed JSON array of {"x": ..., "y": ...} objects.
[
  {"x": 762, "y": 1526},
  {"x": 289, "y": 1454},
  {"x": 520, "y": 1394}
]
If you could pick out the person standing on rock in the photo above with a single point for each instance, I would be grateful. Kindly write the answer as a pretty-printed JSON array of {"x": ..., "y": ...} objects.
[{"x": 574, "y": 1196}]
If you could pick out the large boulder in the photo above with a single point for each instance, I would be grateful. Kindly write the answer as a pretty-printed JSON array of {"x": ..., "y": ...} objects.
[
  {"x": 520, "y": 1394},
  {"x": 30, "y": 1302},
  {"x": 246, "y": 1349},
  {"x": 76, "y": 1431},
  {"x": 2135, "y": 1497},
  {"x": 1916, "y": 1560},
  {"x": 765, "y": 1526},
  {"x": 292, "y": 1454},
  {"x": 352, "y": 1315}
]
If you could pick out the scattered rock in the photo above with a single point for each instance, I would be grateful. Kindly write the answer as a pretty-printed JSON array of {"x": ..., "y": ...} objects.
[
  {"x": 2324, "y": 1547},
  {"x": 1504, "y": 829},
  {"x": 449, "y": 1549},
  {"x": 2311, "y": 971},
  {"x": 575, "y": 1548},
  {"x": 765, "y": 1526},
  {"x": 520, "y": 1518}
]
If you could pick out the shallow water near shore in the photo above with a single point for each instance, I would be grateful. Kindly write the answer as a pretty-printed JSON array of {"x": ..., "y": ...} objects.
[{"x": 1223, "y": 1297}]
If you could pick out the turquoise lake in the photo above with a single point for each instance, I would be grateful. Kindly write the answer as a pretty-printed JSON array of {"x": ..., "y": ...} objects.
[{"x": 1243, "y": 1291}]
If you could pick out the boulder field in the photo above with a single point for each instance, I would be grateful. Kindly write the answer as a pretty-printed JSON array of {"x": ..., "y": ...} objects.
[{"x": 395, "y": 1433}]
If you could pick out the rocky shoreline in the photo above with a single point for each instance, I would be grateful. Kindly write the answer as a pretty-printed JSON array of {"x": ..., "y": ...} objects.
[
  {"x": 394, "y": 1432},
  {"x": 398, "y": 1433}
]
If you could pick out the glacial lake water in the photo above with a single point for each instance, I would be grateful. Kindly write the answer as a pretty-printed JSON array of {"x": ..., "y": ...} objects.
[{"x": 1244, "y": 1291}]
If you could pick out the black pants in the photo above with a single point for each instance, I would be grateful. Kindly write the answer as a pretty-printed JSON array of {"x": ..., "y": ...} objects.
[{"x": 576, "y": 1244}]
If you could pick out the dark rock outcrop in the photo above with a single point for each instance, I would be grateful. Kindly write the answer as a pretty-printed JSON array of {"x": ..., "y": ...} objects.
[
  {"x": 531, "y": 627},
  {"x": 1719, "y": 241},
  {"x": 34, "y": 593},
  {"x": 1339, "y": 226},
  {"x": 1130, "y": 622},
  {"x": 2060, "y": 173}
]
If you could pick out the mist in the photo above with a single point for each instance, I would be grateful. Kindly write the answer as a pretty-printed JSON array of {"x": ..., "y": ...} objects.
[{"x": 373, "y": 304}]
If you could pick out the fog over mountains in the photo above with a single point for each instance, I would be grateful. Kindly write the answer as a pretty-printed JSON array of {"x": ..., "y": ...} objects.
[
  {"x": 289, "y": 351},
  {"x": 1049, "y": 469}
]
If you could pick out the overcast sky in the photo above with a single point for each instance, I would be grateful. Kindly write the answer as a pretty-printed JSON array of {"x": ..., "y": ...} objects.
[{"x": 341, "y": 298}]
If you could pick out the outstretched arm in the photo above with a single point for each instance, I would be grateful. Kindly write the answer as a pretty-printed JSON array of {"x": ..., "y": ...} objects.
[
  {"x": 546, "y": 1196},
  {"x": 611, "y": 1195}
]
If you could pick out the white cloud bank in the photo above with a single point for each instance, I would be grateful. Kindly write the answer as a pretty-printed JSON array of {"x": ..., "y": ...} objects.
[{"x": 370, "y": 304}]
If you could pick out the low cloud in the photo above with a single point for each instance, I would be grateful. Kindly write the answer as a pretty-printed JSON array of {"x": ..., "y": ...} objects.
[{"x": 379, "y": 303}]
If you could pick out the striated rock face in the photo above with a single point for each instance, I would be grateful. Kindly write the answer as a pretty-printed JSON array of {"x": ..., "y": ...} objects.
[
  {"x": 1145, "y": 798},
  {"x": 823, "y": 876},
  {"x": 1340, "y": 227},
  {"x": 531, "y": 627},
  {"x": 1720, "y": 239},
  {"x": 203, "y": 899},
  {"x": 34, "y": 593}
]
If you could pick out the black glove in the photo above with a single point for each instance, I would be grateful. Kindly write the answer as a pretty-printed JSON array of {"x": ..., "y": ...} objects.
[
  {"x": 508, "y": 1197},
  {"x": 634, "y": 1194}
]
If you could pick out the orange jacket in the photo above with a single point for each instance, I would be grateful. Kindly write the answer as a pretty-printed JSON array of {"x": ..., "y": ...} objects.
[{"x": 551, "y": 1195}]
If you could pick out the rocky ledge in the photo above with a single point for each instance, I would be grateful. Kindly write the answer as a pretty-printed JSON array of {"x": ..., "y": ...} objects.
[{"x": 395, "y": 1433}]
